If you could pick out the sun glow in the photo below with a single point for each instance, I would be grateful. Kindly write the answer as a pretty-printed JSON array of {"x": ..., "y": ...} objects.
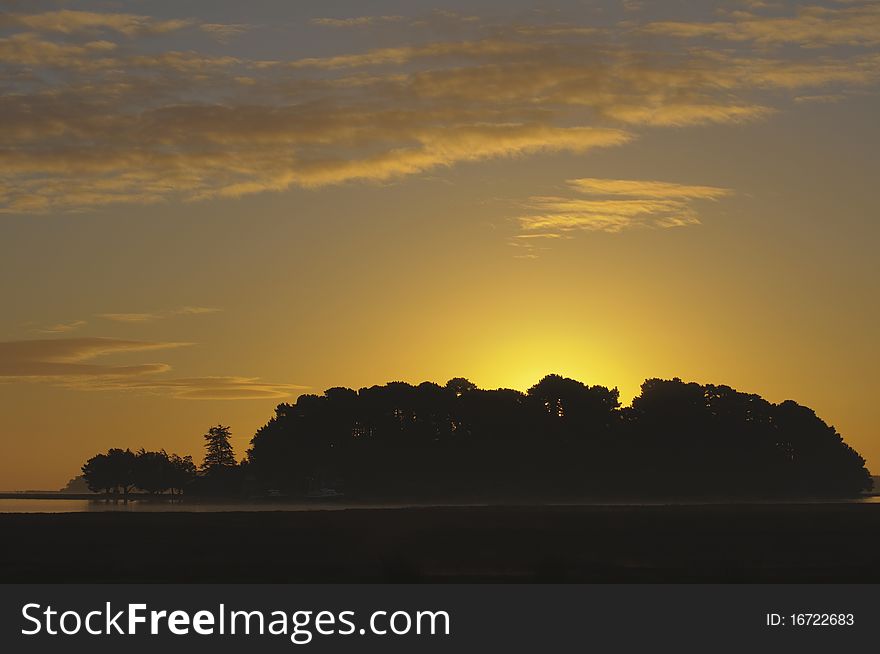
[{"x": 520, "y": 362}]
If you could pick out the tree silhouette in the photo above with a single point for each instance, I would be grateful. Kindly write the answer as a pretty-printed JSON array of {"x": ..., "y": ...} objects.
[
  {"x": 562, "y": 438},
  {"x": 96, "y": 472},
  {"x": 152, "y": 471},
  {"x": 77, "y": 485},
  {"x": 182, "y": 473},
  {"x": 459, "y": 386},
  {"x": 218, "y": 449},
  {"x": 114, "y": 471},
  {"x": 220, "y": 475}
]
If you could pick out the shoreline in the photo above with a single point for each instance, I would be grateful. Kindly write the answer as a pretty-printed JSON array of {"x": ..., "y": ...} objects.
[{"x": 437, "y": 500}]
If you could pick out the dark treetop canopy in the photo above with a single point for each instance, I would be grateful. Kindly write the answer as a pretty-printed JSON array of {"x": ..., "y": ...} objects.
[{"x": 561, "y": 438}]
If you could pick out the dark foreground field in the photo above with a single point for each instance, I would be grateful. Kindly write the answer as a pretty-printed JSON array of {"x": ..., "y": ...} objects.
[{"x": 748, "y": 543}]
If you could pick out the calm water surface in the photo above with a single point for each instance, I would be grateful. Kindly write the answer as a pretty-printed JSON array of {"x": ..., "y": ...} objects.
[{"x": 16, "y": 505}]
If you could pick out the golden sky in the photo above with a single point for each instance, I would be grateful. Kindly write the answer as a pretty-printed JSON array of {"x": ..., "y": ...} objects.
[{"x": 207, "y": 208}]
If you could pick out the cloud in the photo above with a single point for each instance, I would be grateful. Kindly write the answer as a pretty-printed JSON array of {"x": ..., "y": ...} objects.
[
  {"x": 67, "y": 362},
  {"x": 31, "y": 51},
  {"x": 682, "y": 114},
  {"x": 207, "y": 388},
  {"x": 224, "y": 32},
  {"x": 824, "y": 98},
  {"x": 435, "y": 147},
  {"x": 646, "y": 189},
  {"x": 810, "y": 26},
  {"x": 193, "y": 311},
  {"x": 404, "y": 54},
  {"x": 158, "y": 315},
  {"x": 87, "y": 124},
  {"x": 64, "y": 327},
  {"x": 130, "y": 317},
  {"x": 359, "y": 21},
  {"x": 67, "y": 21},
  {"x": 613, "y": 205},
  {"x": 53, "y": 359}
]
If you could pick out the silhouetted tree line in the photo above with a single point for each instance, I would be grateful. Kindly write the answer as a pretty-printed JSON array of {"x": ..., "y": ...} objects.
[
  {"x": 560, "y": 438},
  {"x": 119, "y": 472}
]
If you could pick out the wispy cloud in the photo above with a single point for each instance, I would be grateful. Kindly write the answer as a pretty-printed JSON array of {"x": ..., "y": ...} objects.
[
  {"x": 205, "y": 388},
  {"x": 68, "y": 362},
  {"x": 359, "y": 21},
  {"x": 823, "y": 98},
  {"x": 646, "y": 189},
  {"x": 224, "y": 32},
  {"x": 67, "y": 21},
  {"x": 130, "y": 317},
  {"x": 612, "y": 205},
  {"x": 809, "y": 26},
  {"x": 157, "y": 315},
  {"x": 71, "y": 357},
  {"x": 193, "y": 311},
  {"x": 63, "y": 327},
  {"x": 88, "y": 123},
  {"x": 405, "y": 54}
]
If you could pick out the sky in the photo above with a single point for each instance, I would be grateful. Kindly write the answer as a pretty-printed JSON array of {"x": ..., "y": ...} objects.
[{"x": 209, "y": 208}]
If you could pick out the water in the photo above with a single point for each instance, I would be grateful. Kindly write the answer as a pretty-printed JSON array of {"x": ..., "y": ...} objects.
[
  {"x": 21, "y": 505},
  {"x": 15, "y": 505}
]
